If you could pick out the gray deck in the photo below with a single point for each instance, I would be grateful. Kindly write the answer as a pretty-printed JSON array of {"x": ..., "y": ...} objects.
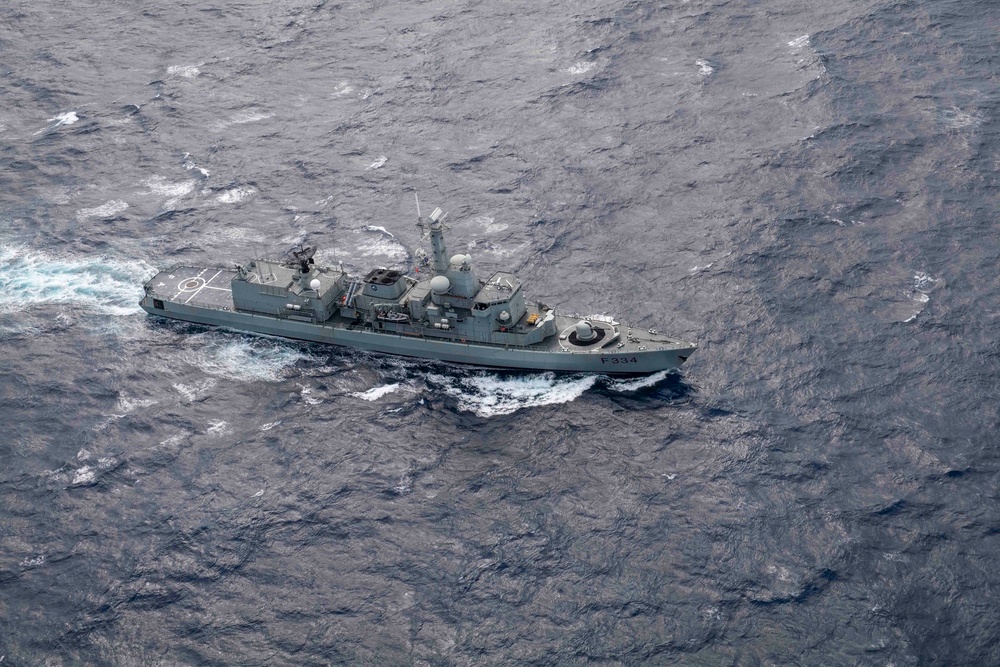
[{"x": 195, "y": 286}]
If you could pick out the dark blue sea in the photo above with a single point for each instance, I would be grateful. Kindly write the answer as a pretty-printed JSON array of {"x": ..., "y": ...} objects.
[{"x": 809, "y": 190}]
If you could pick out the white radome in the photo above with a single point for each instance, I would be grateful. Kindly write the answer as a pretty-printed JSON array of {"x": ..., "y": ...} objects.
[{"x": 440, "y": 284}]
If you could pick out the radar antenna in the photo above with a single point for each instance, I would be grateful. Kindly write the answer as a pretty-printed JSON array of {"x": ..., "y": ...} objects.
[{"x": 302, "y": 254}]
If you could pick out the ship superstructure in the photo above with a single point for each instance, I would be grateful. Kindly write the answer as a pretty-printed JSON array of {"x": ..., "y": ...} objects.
[{"x": 444, "y": 312}]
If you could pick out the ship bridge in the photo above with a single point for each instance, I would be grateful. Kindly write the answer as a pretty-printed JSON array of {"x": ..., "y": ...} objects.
[{"x": 500, "y": 288}]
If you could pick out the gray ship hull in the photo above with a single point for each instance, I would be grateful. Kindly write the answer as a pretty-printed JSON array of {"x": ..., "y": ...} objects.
[{"x": 609, "y": 362}]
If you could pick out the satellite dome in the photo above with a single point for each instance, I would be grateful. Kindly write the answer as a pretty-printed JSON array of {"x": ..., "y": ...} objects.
[
  {"x": 584, "y": 331},
  {"x": 440, "y": 284},
  {"x": 314, "y": 284},
  {"x": 504, "y": 316},
  {"x": 457, "y": 260},
  {"x": 467, "y": 260}
]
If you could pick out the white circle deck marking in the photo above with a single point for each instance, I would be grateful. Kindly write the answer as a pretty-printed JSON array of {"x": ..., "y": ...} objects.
[{"x": 191, "y": 284}]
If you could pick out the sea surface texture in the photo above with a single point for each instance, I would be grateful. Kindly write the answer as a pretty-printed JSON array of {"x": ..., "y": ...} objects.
[{"x": 807, "y": 189}]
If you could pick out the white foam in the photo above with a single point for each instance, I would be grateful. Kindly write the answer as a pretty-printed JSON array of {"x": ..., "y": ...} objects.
[
  {"x": 380, "y": 229},
  {"x": 33, "y": 562},
  {"x": 343, "y": 88},
  {"x": 29, "y": 278},
  {"x": 581, "y": 68},
  {"x": 218, "y": 427},
  {"x": 196, "y": 390},
  {"x": 158, "y": 185},
  {"x": 385, "y": 245},
  {"x": 84, "y": 475},
  {"x": 127, "y": 405},
  {"x": 405, "y": 485},
  {"x": 65, "y": 118},
  {"x": 696, "y": 269},
  {"x": 955, "y": 118},
  {"x": 488, "y": 395},
  {"x": 247, "y": 117},
  {"x": 237, "y": 194},
  {"x": 186, "y": 71},
  {"x": 246, "y": 359},
  {"x": 306, "y": 391},
  {"x": 377, "y": 163},
  {"x": 376, "y": 393},
  {"x": 704, "y": 67},
  {"x": 799, "y": 42},
  {"x": 637, "y": 383},
  {"x": 922, "y": 283},
  {"x": 269, "y": 426},
  {"x": 105, "y": 210}
]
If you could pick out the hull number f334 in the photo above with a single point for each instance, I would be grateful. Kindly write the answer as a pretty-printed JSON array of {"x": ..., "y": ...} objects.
[{"x": 618, "y": 360}]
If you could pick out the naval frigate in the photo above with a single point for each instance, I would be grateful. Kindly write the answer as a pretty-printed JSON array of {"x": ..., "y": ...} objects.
[{"x": 444, "y": 312}]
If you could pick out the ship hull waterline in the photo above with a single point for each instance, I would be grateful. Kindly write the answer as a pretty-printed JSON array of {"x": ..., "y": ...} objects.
[{"x": 607, "y": 362}]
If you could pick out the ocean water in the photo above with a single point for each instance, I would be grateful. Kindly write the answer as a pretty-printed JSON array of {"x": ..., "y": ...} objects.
[{"x": 809, "y": 190}]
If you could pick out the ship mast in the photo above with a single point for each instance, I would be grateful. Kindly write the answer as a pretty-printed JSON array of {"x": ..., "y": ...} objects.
[{"x": 435, "y": 229}]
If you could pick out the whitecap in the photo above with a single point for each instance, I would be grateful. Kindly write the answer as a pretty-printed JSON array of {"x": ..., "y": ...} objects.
[
  {"x": 488, "y": 395},
  {"x": 127, "y": 405},
  {"x": 384, "y": 245},
  {"x": 66, "y": 118},
  {"x": 248, "y": 117},
  {"x": 218, "y": 427},
  {"x": 105, "y": 210},
  {"x": 377, "y": 163},
  {"x": 376, "y": 393},
  {"x": 196, "y": 390},
  {"x": 29, "y": 278},
  {"x": 955, "y": 118},
  {"x": 343, "y": 88},
  {"x": 380, "y": 229},
  {"x": 799, "y": 42},
  {"x": 237, "y": 194},
  {"x": 186, "y": 71},
  {"x": 305, "y": 393},
  {"x": 158, "y": 185},
  {"x": 84, "y": 475},
  {"x": 704, "y": 67},
  {"x": 581, "y": 67},
  {"x": 269, "y": 426},
  {"x": 922, "y": 283}
]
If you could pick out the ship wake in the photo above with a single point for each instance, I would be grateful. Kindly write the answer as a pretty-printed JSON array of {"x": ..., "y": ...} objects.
[{"x": 30, "y": 278}]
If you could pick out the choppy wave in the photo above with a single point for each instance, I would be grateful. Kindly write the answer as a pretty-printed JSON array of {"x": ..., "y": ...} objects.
[{"x": 30, "y": 278}]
